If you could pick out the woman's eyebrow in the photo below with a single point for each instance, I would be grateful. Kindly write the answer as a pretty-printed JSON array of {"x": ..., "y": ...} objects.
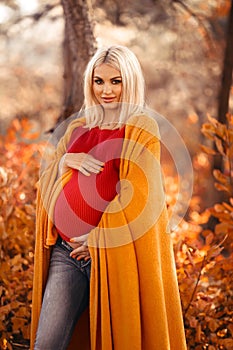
[{"x": 97, "y": 77}]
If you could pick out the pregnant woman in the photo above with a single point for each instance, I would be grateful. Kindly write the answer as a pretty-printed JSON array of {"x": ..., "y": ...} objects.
[{"x": 104, "y": 275}]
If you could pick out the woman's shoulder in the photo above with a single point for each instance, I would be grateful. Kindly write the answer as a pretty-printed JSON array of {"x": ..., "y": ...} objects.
[
  {"x": 73, "y": 125},
  {"x": 76, "y": 122},
  {"x": 144, "y": 124}
]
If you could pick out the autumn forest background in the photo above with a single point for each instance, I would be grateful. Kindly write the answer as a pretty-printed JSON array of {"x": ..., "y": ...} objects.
[{"x": 186, "y": 52}]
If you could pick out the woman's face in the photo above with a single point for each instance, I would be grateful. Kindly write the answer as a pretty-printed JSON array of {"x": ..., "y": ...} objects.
[{"x": 107, "y": 85}]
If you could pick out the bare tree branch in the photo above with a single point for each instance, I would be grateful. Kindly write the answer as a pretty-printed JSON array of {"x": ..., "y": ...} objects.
[
  {"x": 198, "y": 20},
  {"x": 4, "y": 28}
]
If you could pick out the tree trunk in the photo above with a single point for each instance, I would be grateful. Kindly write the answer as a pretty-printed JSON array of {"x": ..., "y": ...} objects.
[
  {"x": 224, "y": 94},
  {"x": 79, "y": 45}
]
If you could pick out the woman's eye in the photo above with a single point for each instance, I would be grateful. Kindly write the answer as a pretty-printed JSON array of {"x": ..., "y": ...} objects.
[
  {"x": 98, "y": 81},
  {"x": 116, "y": 81}
]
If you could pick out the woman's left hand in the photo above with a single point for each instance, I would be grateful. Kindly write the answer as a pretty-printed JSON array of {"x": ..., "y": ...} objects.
[{"x": 82, "y": 251}]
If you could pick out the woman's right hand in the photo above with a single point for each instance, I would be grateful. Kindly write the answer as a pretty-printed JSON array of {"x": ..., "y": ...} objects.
[{"x": 83, "y": 162}]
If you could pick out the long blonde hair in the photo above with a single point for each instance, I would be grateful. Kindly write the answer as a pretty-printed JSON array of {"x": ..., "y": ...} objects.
[{"x": 133, "y": 85}]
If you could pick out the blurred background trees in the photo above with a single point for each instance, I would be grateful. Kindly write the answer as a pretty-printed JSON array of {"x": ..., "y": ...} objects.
[
  {"x": 180, "y": 45},
  {"x": 185, "y": 48}
]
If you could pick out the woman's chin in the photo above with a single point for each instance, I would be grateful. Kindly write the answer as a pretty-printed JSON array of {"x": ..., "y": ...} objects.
[{"x": 111, "y": 105}]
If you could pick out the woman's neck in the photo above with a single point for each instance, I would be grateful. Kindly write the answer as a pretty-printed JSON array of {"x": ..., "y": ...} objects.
[{"x": 111, "y": 116}]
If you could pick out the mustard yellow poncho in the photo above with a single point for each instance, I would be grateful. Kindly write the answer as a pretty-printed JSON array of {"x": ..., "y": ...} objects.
[{"x": 134, "y": 296}]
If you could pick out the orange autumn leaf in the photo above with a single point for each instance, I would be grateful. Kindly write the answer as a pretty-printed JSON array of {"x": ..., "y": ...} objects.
[{"x": 208, "y": 150}]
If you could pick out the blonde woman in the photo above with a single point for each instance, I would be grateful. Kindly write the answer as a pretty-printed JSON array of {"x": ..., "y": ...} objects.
[{"x": 105, "y": 276}]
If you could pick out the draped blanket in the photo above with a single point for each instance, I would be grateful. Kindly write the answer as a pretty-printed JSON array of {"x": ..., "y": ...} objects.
[{"x": 134, "y": 296}]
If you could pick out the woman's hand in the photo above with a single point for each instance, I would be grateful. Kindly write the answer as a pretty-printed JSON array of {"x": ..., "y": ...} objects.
[
  {"x": 82, "y": 251},
  {"x": 83, "y": 162}
]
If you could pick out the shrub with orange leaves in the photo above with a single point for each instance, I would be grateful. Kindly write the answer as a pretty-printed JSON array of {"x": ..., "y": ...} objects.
[
  {"x": 205, "y": 283},
  {"x": 222, "y": 136},
  {"x": 19, "y": 165},
  {"x": 204, "y": 255}
]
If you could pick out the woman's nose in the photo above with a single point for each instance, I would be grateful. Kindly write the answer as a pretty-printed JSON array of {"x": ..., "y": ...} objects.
[{"x": 107, "y": 88}]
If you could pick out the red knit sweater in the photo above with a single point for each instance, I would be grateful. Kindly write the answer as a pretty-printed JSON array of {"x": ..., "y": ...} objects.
[{"x": 80, "y": 205}]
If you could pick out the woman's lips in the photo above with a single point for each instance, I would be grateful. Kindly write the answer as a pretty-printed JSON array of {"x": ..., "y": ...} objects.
[{"x": 108, "y": 99}]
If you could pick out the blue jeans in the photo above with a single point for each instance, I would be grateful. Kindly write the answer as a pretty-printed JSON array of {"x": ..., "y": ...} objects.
[{"x": 65, "y": 298}]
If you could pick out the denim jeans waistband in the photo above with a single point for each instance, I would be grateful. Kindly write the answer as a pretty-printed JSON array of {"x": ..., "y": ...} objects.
[{"x": 64, "y": 243}]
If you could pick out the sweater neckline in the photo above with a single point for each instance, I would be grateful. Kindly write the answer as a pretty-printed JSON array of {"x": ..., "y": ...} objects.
[{"x": 106, "y": 128}]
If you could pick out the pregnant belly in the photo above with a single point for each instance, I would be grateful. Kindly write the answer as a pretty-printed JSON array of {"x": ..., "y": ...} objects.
[{"x": 82, "y": 201}]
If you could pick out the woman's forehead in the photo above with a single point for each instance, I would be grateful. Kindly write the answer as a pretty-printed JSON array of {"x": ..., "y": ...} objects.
[{"x": 105, "y": 69}]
